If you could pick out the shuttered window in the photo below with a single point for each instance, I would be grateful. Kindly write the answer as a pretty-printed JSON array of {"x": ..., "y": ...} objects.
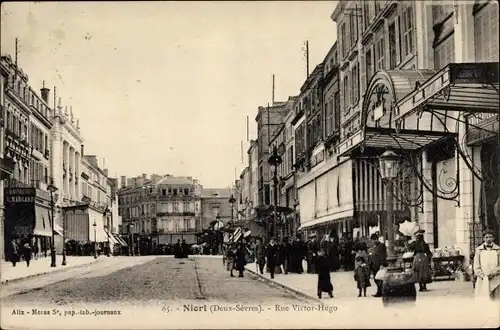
[
  {"x": 444, "y": 52},
  {"x": 486, "y": 32}
]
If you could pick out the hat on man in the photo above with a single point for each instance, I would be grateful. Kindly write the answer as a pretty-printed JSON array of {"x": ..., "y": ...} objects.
[{"x": 419, "y": 232}]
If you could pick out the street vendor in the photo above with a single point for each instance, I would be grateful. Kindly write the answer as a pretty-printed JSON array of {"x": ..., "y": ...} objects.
[{"x": 421, "y": 260}]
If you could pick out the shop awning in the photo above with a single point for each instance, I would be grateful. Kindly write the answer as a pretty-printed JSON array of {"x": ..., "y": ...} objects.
[
  {"x": 42, "y": 222},
  {"x": 58, "y": 230},
  {"x": 401, "y": 140},
  {"x": 120, "y": 240},
  {"x": 326, "y": 219},
  {"x": 112, "y": 239},
  {"x": 468, "y": 87}
]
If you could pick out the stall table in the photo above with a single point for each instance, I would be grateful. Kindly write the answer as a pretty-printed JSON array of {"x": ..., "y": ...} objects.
[{"x": 442, "y": 268}]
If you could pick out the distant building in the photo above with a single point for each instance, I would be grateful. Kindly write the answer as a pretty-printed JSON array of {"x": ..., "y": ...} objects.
[{"x": 215, "y": 202}]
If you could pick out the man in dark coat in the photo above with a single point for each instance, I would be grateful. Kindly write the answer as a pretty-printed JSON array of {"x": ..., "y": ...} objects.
[
  {"x": 324, "y": 279},
  {"x": 240, "y": 259},
  {"x": 260, "y": 255},
  {"x": 14, "y": 252},
  {"x": 378, "y": 258},
  {"x": 178, "y": 253},
  {"x": 312, "y": 251},
  {"x": 185, "y": 249},
  {"x": 272, "y": 256},
  {"x": 285, "y": 254},
  {"x": 297, "y": 254}
]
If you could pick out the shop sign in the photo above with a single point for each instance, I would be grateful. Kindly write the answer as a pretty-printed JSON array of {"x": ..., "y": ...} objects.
[
  {"x": 20, "y": 195},
  {"x": 20, "y": 199}
]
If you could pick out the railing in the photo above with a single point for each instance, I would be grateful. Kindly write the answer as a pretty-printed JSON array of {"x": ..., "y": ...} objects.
[{"x": 478, "y": 118}]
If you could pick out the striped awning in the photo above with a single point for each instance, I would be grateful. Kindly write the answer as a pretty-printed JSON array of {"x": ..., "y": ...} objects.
[
  {"x": 42, "y": 222},
  {"x": 389, "y": 138}
]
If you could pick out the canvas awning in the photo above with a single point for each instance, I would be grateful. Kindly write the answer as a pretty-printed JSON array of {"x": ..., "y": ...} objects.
[
  {"x": 326, "y": 219},
  {"x": 468, "y": 87},
  {"x": 120, "y": 240},
  {"x": 112, "y": 239},
  {"x": 58, "y": 229},
  {"x": 42, "y": 222}
]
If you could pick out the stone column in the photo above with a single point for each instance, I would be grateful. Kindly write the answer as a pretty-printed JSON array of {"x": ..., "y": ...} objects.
[
  {"x": 424, "y": 34},
  {"x": 427, "y": 216},
  {"x": 77, "y": 176},
  {"x": 55, "y": 159},
  {"x": 66, "y": 166},
  {"x": 464, "y": 33},
  {"x": 71, "y": 171}
]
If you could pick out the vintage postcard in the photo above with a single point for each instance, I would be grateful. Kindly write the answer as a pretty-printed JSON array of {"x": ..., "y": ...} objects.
[{"x": 250, "y": 164}]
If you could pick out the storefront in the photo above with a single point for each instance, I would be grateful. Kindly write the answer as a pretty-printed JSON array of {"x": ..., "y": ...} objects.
[
  {"x": 426, "y": 117},
  {"x": 27, "y": 217}
]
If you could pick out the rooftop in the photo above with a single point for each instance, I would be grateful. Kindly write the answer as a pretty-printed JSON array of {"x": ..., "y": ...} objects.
[{"x": 175, "y": 180}]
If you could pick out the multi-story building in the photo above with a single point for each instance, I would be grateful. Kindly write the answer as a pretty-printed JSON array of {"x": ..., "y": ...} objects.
[
  {"x": 253, "y": 169},
  {"x": 243, "y": 189},
  {"x": 215, "y": 204},
  {"x": 6, "y": 169},
  {"x": 421, "y": 67},
  {"x": 26, "y": 153},
  {"x": 155, "y": 214}
]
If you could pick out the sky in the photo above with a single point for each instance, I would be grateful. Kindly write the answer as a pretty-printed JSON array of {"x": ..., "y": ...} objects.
[{"x": 165, "y": 87}]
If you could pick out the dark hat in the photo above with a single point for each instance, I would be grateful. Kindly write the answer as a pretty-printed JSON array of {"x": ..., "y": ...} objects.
[
  {"x": 360, "y": 258},
  {"x": 489, "y": 232},
  {"x": 420, "y": 232},
  {"x": 374, "y": 236}
]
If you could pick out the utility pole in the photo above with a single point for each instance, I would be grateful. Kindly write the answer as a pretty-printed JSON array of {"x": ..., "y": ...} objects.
[
  {"x": 15, "y": 59},
  {"x": 272, "y": 100}
]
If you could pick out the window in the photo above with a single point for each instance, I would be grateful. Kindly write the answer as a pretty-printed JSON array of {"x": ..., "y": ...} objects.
[
  {"x": 486, "y": 32},
  {"x": 175, "y": 206},
  {"x": 346, "y": 93},
  {"x": 186, "y": 206},
  {"x": 336, "y": 110},
  {"x": 444, "y": 52},
  {"x": 380, "y": 53},
  {"x": 164, "y": 192},
  {"x": 355, "y": 84},
  {"x": 186, "y": 224},
  {"x": 378, "y": 6},
  {"x": 267, "y": 197},
  {"x": 366, "y": 14},
  {"x": 343, "y": 40},
  {"x": 215, "y": 211},
  {"x": 329, "y": 117},
  {"x": 393, "y": 60},
  {"x": 175, "y": 191},
  {"x": 369, "y": 65},
  {"x": 353, "y": 28},
  {"x": 186, "y": 191},
  {"x": 407, "y": 31}
]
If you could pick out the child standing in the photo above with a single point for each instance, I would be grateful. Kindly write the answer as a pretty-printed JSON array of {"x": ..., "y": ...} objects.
[{"x": 362, "y": 275}]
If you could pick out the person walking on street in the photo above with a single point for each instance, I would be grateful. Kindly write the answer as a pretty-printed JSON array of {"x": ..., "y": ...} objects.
[
  {"x": 230, "y": 257},
  {"x": 487, "y": 268},
  {"x": 260, "y": 255},
  {"x": 297, "y": 253},
  {"x": 323, "y": 271},
  {"x": 27, "y": 253},
  {"x": 14, "y": 252},
  {"x": 240, "y": 259},
  {"x": 285, "y": 254},
  {"x": 272, "y": 256},
  {"x": 377, "y": 259},
  {"x": 312, "y": 252},
  {"x": 421, "y": 261}
]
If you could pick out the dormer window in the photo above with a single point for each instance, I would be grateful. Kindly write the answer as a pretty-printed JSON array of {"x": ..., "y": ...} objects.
[
  {"x": 164, "y": 192},
  {"x": 175, "y": 191},
  {"x": 186, "y": 191}
]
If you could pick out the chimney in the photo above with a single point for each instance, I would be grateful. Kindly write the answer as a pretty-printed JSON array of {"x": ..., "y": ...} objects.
[
  {"x": 45, "y": 93},
  {"x": 81, "y": 150},
  {"x": 144, "y": 176},
  {"x": 123, "y": 180},
  {"x": 106, "y": 172}
]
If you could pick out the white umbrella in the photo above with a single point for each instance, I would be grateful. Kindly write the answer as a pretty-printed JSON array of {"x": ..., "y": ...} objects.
[
  {"x": 408, "y": 228},
  {"x": 218, "y": 225}
]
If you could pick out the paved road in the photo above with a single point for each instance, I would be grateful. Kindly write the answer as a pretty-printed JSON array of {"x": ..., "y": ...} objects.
[{"x": 141, "y": 280}]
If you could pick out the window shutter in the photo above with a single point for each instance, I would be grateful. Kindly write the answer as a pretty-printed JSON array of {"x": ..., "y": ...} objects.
[{"x": 400, "y": 53}]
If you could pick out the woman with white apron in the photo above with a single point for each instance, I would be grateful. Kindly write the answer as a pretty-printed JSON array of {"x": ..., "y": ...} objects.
[{"x": 487, "y": 268}]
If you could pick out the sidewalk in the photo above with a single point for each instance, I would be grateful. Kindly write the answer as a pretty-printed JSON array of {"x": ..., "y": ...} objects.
[
  {"x": 41, "y": 266},
  {"x": 344, "y": 286}
]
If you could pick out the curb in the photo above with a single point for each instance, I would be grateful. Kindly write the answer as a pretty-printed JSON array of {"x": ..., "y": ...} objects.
[
  {"x": 286, "y": 287},
  {"x": 62, "y": 268}
]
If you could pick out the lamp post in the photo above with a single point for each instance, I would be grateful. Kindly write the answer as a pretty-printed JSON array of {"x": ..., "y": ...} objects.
[
  {"x": 52, "y": 190},
  {"x": 275, "y": 160},
  {"x": 138, "y": 246},
  {"x": 106, "y": 214},
  {"x": 232, "y": 201},
  {"x": 397, "y": 286},
  {"x": 95, "y": 239},
  {"x": 130, "y": 241},
  {"x": 64, "y": 242}
]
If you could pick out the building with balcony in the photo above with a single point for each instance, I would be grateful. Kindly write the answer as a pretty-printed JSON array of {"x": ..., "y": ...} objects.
[
  {"x": 156, "y": 214},
  {"x": 25, "y": 159},
  {"x": 215, "y": 205},
  {"x": 428, "y": 90},
  {"x": 6, "y": 170}
]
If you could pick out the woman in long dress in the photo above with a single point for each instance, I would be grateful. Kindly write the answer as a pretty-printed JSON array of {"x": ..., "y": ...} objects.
[
  {"x": 487, "y": 268},
  {"x": 324, "y": 279},
  {"x": 421, "y": 260}
]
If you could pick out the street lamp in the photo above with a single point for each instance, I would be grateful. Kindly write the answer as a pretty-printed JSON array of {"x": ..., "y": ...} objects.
[
  {"x": 389, "y": 163},
  {"x": 275, "y": 160},
  {"x": 64, "y": 242},
  {"x": 138, "y": 246},
  {"x": 95, "y": 239},
  {"x": 130, "y": 241},
  {"x": 232, "y": 201},
  {"x": 106, "y": 214},
  {"x": 52, "y": 190},
  {"x": 396, "y": 284}
]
